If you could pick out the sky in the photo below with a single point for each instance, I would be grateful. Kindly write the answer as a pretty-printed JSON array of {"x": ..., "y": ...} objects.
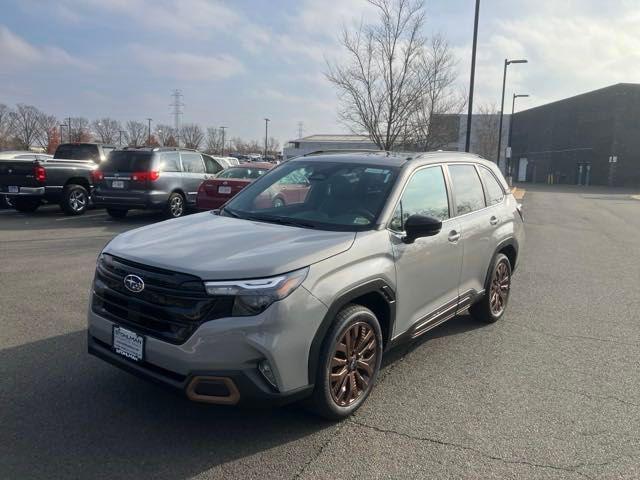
[{"x": 237, "y": 62}]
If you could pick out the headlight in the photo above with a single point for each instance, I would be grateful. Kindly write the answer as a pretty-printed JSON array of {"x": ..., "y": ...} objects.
[{"x": 255, "y": 296}]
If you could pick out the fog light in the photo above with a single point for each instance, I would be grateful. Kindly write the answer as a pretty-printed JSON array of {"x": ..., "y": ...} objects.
[{"x": 267, "y": 373}]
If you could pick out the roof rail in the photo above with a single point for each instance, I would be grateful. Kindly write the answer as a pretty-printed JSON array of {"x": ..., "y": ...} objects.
[{"x": 347, "y": 150}]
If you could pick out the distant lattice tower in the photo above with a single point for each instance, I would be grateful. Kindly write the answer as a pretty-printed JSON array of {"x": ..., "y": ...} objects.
[{"x": 177, "y": 106}]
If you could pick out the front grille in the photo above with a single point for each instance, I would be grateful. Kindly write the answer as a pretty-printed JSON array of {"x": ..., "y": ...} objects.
[{"x": 171, "y": 306}]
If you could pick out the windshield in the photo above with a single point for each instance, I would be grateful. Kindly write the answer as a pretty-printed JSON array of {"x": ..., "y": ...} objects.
[
  {"x": 241, "y": 172},
  {"x": 317, "y": 194}
]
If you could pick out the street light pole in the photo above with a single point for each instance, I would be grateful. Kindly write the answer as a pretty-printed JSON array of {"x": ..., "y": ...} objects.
[
  {"x": 120, "y": 141},
  {"x": 504, "y": 82},
  {"x": 513, "y": 107},
  {"x": 149, "y": 135},
  {"x": 266, "y": 132},
  {"x": 62, "y": 125},
  {"x": 473, "y": 75},
  {"x": 223, "y": 129}
]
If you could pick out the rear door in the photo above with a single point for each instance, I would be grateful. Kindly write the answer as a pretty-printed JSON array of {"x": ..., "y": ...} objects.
[
  {"x": 193, "y": 174},
  {"x": 475, "y": 227}
]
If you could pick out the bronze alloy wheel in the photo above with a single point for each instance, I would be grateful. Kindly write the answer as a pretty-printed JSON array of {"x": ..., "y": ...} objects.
[
  {"x": 353, "y": 364},
  {"x": 499, "y": 293}
]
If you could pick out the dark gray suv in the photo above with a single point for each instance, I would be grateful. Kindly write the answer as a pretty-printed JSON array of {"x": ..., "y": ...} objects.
[{"x": 165, "y": 179}]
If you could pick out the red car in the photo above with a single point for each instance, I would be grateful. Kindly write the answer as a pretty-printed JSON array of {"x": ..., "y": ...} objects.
[{"x": 215, "y": 193}]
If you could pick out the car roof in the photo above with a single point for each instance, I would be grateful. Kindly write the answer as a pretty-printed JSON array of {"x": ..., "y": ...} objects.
[{"x": 395, "y": 159}]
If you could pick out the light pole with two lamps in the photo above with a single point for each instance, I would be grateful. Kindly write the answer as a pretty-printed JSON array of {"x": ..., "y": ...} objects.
[{"x": 504, "y": 82}]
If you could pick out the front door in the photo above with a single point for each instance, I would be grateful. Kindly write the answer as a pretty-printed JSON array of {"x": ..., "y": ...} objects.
[{"x": 429, "y": 268}]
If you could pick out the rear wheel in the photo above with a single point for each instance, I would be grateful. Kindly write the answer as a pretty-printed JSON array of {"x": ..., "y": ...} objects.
[
  {"x": 349, "y": 363},
  {"x": 175, "y": 206},
  {"x": 278, "y": 202},
  {"x": 26, "y": 205},
  {"x": 117, "y": 212},
  {"x": 75, "y": 200},
  {"x": 494, "y": 303}
]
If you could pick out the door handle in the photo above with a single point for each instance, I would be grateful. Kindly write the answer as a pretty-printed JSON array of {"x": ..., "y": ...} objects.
[
  {"x": 454, "y": 236},
  {"x": 493, "y": 220}
]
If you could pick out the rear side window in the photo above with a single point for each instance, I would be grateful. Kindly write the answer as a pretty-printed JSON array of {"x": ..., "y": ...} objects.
[
  {"x": 211, "y": 165},
  {"x": 128, "y": 161},
  {"x": 494, "y": 190},
  {"x": 170, "y": 162},
  {"x": 425, "y": 194},
  {"x": 467, "y": 189},
  {"x": 192, "y": 162}
]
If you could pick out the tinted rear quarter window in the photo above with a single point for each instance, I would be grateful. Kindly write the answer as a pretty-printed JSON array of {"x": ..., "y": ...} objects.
[
  {"x": 192, "y": 162},
  {"x": 494, "y": 190},
  {"x": 170, "y": 162},
  {"x": 467, "y": 189},
  {"x": 128, "y": 161}
]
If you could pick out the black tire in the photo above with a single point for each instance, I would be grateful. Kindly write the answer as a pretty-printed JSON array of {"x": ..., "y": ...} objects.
[
  {"x": 75, "y": 199},
  {"x": 278, "y": 202},
  {"x": 176, "y": 206},
  {"x": 117, "y": 212},
  {"x": 486, "y": 310},
  {"x": 325, "y": 398},
  {"x": 26, "y": 205}
]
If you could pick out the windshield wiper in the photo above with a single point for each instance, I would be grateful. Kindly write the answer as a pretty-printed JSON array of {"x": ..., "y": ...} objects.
[{"x": 293, "y": 222}]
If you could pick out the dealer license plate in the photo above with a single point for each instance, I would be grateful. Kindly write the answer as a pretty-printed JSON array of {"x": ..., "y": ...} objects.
[{"x": 128, "y": 344}]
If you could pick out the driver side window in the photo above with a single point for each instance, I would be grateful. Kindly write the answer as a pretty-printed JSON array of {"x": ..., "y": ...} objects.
[{"x": 425, "y": 194}]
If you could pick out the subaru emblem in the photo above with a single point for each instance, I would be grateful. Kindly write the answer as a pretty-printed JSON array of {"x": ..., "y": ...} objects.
[{"x": 133, "y": 283}]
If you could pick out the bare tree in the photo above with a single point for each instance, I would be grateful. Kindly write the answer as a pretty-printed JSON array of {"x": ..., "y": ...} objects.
[
  {"x": 48, "y": 135},
  {"x": 191, "y": 135},
  {"x": 214, "y": 140},
  {"x": 79, "y": 130},
  {"x": 380, "y": 86},
  {"x": 25, "y": 125},
  {"x": 273, "y": 146},
  {"x": 485, "y": 130},
  {"x": 5, "y": 126},
  {"x": 107, "y": 130},
  {"x": 136, "y": 133},
  {"x": 166, "y": 135},
  {"x": 429, "y": 128}
]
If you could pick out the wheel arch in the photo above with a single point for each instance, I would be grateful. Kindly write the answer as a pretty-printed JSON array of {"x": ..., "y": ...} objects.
[
  {"x": 508, "y": 247},
  {"x": 376, "y": 295},
  {"x": 79, "y": 181}
]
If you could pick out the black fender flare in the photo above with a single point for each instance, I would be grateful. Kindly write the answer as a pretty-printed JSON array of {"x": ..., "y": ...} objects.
[{"x": 378, "y": 286}]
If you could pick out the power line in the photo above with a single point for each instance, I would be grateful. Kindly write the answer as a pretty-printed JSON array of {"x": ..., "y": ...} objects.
[{"x": 177, "y": 105}]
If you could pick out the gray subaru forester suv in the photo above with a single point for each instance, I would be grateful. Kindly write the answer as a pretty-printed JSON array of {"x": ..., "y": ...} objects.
[{"x": 303, "y": 299}]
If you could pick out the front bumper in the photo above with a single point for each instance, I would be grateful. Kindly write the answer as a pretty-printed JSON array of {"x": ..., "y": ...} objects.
[{"x": 229, "y": 348}]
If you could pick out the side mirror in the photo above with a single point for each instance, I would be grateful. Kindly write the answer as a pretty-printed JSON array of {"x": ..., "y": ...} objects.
[{"x": 418, "y": 226}]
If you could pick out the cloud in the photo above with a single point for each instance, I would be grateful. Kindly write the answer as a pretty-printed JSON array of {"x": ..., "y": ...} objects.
[
  {"x": 18, "y": 54},
  {"x": 186, "y": 66}
]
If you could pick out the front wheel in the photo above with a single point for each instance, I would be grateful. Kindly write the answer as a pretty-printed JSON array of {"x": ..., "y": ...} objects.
[
  {"x": 349, "y": 363},
  {"x": 75, "y": 200},
  {"x": 494, "y": 303}
]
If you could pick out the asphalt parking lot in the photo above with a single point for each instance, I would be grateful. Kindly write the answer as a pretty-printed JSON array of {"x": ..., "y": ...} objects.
[{"x": 550, "y": 391}]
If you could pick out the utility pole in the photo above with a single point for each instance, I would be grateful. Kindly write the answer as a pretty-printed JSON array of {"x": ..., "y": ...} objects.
[
  {"x": 149, "y": 132},
  {"x": 266, "y": 133},
  {"x": 473, "y": 75},
  {"x": 223, "y": 129},
  {"x": 69, "y": 129},
  {"x": 62, "y": 125},
  {"x": 177, "y": 111},
  {"x": 120, "y": 141}
]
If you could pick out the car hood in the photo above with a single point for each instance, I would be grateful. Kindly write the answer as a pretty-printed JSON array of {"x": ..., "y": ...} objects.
[{"x": 223, "y": 248}]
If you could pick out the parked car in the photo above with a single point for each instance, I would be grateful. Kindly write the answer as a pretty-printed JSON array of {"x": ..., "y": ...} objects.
[
  {"x": 216, "y": 192},
  {"x": 65, "y": 179},
  {"x": 5, "y": 201},
  {"x": 163, "y": 179},
  {"x": 303, "y": 300}
]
